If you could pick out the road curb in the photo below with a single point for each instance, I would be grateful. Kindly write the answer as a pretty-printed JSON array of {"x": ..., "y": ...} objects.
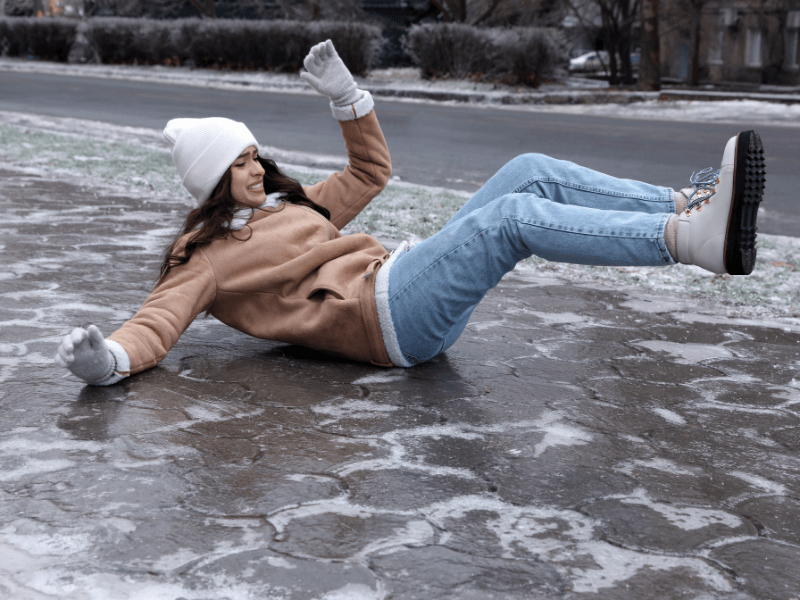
[{"x": 577, "y": 97}]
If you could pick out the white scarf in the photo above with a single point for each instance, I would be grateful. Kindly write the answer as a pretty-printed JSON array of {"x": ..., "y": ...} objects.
[{"x": 244, "y": 214}]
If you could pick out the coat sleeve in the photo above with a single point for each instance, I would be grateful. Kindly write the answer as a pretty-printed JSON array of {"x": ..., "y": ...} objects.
[
  {"x": 187, "y": 291},
  {"x": 345, "y": 194}
]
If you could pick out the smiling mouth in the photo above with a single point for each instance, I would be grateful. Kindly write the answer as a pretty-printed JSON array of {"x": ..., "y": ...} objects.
[{"x": 256, "y": 187}]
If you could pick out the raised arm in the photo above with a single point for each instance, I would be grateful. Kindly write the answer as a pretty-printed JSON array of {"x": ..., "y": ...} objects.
[{"x": 346, "y": 194}]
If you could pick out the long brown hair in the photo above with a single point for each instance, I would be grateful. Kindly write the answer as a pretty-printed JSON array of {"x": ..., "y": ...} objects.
[{"x": 211, "y": 221}]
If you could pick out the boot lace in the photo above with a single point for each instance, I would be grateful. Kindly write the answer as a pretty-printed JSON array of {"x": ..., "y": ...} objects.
[{"x": 704, "y": 184}]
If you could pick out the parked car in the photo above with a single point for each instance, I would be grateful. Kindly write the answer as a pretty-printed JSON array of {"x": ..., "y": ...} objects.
[{"x": 591, "y": 62}]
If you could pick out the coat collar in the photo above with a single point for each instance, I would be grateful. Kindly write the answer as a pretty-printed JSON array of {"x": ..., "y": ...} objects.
[{"x": 243, "y": 215}]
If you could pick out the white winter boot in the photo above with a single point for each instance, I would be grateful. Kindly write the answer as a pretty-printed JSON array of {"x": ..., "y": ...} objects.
[{"x": 717, "y": 231}]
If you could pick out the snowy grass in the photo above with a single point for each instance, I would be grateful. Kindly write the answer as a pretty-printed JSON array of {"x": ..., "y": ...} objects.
[{"x": 124, "y": 160}]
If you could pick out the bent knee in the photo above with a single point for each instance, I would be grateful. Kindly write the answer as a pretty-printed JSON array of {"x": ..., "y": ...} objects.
[{"x": 529, "y": 162}]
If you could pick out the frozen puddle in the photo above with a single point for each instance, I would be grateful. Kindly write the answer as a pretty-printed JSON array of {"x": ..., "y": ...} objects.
[{"x": 687, "y": 353}]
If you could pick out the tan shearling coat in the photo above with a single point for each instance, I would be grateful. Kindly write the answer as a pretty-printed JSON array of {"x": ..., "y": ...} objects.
[{"x": 295, "y": 279}]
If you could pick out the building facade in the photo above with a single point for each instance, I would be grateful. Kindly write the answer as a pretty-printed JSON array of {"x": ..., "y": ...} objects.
[{"x": 740, "y": 41}]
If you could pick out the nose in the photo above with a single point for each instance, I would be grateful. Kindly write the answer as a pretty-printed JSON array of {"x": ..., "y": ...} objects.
[{"x": 257, "y": 169}]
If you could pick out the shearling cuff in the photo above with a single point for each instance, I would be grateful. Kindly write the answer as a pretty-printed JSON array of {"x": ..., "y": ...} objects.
[
  {"x": 388, "y": 331},
  {"x": 351, "y": 112},
  {"x": 122, "y": 369}
]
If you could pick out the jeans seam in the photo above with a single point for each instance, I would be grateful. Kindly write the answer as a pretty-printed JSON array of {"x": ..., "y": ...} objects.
[
  {"x": 662, "y": 244},
  {"x": 586, "y": 188},
  {"x": 595, "y": 233},
  {"x": 430, "y": 266}
]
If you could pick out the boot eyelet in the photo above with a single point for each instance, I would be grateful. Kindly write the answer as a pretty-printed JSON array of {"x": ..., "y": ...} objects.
[
  {"x": 707, "y": 200},
  {"x": 688, "y": 213},
  {"x": 699, "y": 208}
]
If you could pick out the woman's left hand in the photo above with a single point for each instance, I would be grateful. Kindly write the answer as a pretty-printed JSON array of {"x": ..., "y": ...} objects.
[{"x": 327, "y": 74}]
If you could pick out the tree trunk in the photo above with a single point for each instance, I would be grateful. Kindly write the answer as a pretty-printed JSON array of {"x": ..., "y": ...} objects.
[
  {"x": 650, "y": 56},
  {"x": 624, "y": 42},
  {"x": 611, "y": 46},
  {"x": 694, "y": 74}
]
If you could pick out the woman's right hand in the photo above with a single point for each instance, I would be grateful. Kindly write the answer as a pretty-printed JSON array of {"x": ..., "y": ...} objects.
[
  {"x": 85, "y": 353},
  {"x": 328, "y": 75}
]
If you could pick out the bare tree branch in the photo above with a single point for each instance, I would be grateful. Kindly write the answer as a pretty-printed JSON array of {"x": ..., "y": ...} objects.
[
  {"x": 205, "y": 8},
  {"x": 487, "y": 12},
  {"x": 445, "y": 11}
]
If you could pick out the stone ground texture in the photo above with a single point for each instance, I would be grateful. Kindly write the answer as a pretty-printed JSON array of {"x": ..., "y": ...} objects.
[{"x": 577, "y": 442}]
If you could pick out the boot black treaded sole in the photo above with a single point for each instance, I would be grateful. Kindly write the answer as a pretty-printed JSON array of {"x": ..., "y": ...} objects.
[{"x": 748, "y": 190}]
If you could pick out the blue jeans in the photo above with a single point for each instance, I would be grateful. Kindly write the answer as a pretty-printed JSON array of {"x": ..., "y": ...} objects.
[{"x": 535, "y": 205}]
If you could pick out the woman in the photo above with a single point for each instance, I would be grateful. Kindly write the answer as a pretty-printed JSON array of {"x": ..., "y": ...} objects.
[{"x": 264, "y": 255}]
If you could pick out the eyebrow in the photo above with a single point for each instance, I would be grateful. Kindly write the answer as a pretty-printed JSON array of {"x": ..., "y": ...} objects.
[{"x": 246, "y": 153}]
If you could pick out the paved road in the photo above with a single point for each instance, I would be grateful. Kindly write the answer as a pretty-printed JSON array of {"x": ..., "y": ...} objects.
[{"x": 438, "y": 145}]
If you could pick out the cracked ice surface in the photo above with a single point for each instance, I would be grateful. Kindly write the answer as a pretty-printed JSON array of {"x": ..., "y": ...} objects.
[{"x": 586, "y": 438}]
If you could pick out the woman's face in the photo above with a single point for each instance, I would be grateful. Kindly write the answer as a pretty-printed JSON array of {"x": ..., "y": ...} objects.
[{"x": 247, "y": 179}]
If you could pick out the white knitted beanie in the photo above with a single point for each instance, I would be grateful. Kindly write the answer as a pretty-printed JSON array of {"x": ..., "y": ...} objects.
[{"x": 203, "y": 149}]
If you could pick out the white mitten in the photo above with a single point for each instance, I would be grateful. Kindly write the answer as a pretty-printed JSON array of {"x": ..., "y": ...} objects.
[
  {"x": 87, "y": 355},
  {"x": 327, "y": 74}
]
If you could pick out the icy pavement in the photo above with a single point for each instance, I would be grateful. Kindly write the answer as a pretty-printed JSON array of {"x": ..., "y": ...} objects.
[
  {"x": 596, "y": 433},
  {"x": 573, "y": 96}
]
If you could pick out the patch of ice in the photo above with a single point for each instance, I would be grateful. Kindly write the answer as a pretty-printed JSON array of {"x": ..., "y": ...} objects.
[
  {"x": 561, "y": 434},
  {"x": 687, "y": 353},
  {"x": 731, "y": 407},
  {"x": 123, "y": 525},
  {"x": 24, "y": 446},
  {"x": 687, "y": 518},
  {"x": 280, "y": 562},
  {"x": 40, "y": 539},
  {"x": 788, "y": 327},
  {"x": 658, "y": 464},
  {"x": 566, "y": 318},
  {"x": 352, "y": 409},
  {"x": 656, "y": 305},
  {"x": 36, "y": 467},
  {"x": 615, "y": 564},
  {"x": 563, "y": 539},
  {"x": 387, "y": 377},
  {"x": 550, "y": 423},
  {"x": 670, "y": 416},
  {"x": 415, "y": 533},
  {"x": 170, "y": 562},
  {"x": 477, "y": 326},
  {"x": 763, "y": 483},
  {"x": 354, "y": 591}
]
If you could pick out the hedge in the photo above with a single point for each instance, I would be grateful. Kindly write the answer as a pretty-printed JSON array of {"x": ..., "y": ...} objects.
[
  {"x": 229, "y": 44},
  {"x": 512, "y": 55},
  {"x": 46, "y": 39}
]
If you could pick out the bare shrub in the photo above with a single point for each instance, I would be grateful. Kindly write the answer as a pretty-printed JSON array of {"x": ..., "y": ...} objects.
[
  {"x": 514, "y": 55},
  {"x": 279, "y": 45},
  {"x": 230, "y": 43},
  {"x": 121, "y": 40},
  {"x": 46, "y": 39}
]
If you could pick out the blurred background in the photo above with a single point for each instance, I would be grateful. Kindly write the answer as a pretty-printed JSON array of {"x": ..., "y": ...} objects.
[{"x": 722, "y": 44}]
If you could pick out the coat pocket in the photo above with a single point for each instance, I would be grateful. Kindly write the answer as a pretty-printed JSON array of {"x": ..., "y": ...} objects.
[{"x": 321, "y": 292}]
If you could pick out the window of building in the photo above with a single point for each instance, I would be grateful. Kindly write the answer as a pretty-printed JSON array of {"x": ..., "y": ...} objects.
[
  {"x": 715, "y": 47},
  {"x": 793, "y": 48},
  {"x": 753, "y": 48}
]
